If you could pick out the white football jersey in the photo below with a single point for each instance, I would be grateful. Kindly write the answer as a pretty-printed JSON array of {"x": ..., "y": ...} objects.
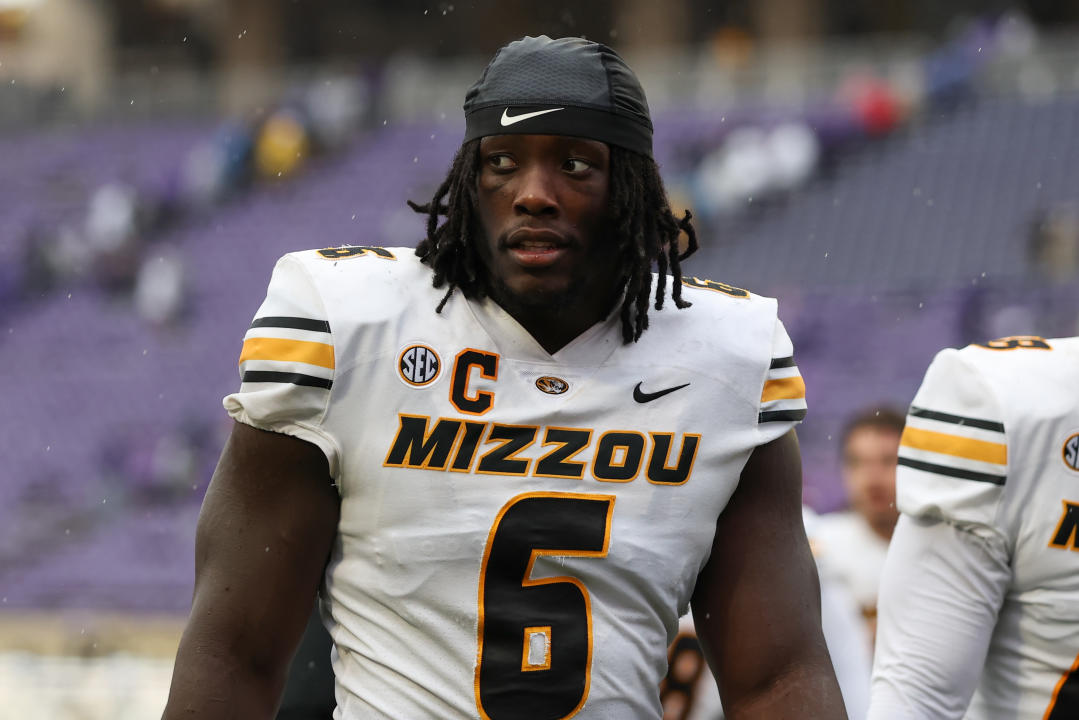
[
  {"x": 856, "y": 555},
  {"x": 519, "y": 531},
  {"x": 992, "y": 442}
]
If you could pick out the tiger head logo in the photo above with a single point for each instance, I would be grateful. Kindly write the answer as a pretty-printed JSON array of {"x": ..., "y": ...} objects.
[{"x": 552, "y": 385}]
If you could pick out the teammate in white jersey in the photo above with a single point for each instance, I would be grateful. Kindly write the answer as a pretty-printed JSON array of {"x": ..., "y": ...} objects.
[
  {"x": 979, "y": 605},
  {"x": 856, "y": 540},
  {"x": 508, "y": 490}
]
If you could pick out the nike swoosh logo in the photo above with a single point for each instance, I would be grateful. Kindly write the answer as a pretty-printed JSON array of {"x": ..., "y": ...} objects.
[
  {"x": 508, "y": 119},
  {"x": 643, "y": 397}
]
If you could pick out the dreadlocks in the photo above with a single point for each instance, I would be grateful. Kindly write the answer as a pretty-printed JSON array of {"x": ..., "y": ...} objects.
[{"x": 645, "y": 229}]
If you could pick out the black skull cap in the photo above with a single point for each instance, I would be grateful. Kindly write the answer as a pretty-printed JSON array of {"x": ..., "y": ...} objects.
[{"x": 569, "y": 86}]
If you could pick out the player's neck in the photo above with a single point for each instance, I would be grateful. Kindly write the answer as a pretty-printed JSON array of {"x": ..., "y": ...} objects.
[
  {"x": 553, "y": 330},
  {"x": 556, "y": 322}
]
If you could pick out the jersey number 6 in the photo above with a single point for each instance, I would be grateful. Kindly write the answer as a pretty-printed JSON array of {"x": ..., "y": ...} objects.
[{"x": 535, "y": 634}]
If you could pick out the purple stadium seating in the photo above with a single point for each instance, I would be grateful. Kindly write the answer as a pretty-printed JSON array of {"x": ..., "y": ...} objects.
[{"x": 873, "y": 280}]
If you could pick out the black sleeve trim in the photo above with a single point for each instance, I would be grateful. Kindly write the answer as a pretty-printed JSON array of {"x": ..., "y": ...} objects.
[
  {"x": 256, "y": 376},
  {"x": 294, "y": 323},
  {"x": 772, "y": 415},
  {"x": 783, "y": 362},
  {"x": 953, "y": 472},
  {"x": 956, "y": 419}
]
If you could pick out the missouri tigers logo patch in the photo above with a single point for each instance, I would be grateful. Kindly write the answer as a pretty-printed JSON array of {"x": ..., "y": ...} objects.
[
  {"x": 419, "y": 365},
  {"x": 552, "y": 385}
]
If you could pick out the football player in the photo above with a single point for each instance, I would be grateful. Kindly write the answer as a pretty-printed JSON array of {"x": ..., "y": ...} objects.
[
  {"x": 979, "y": 603},
  {"x": 509, "y": 491},
  {"x": 856, "y": 541}
]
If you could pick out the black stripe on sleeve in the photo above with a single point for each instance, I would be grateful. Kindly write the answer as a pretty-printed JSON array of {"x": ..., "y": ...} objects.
[
  {"x": 256, "y": 376},
  {"x": 783, "y": 362},
  {"x": 295, "y": 323},
  {"x": 772, "y": 415},
  {"x": 956, "y": 419},
  {"x": 953, "y": 472}
]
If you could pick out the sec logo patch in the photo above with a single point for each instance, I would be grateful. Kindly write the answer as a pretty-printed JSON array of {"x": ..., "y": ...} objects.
[
  {"x": 419, "y": 365},
  {"x": 1071, "y": 452}
]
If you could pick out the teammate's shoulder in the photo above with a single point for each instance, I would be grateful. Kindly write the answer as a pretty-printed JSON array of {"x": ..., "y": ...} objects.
[{"x": 1000, "y": 361}]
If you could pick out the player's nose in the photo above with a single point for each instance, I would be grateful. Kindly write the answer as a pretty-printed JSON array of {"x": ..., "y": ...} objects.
[{"x": 536, "y": 194}]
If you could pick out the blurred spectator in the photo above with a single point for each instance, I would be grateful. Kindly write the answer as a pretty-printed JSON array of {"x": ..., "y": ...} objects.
[
  {"x": 856, "y": 540},
  {"x": 216, "y": 168},
  {"x": 1054, "y": 242},
  {"x": 336, "y": 106},
  {"x": 159, "y": 288},
  {"x": 282, "y": 145}
]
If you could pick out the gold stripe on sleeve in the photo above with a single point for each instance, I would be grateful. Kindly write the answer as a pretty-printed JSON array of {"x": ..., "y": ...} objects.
[
  {"x": 264, "y": 348},
  {"x": 788, "y": 388},
  {"x": 955, "y": 445}
]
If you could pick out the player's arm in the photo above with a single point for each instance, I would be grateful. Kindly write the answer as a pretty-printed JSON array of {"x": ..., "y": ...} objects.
[
  {"x": 264, "y": 535},
  {"x": 757, "y": 601},
  {"x": 948, "y": 565},
  {"x": 941, "y": 589}
]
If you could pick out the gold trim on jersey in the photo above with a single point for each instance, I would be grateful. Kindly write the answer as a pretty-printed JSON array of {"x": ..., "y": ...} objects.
[
  {"x": 280, "y": 350},
  {"x": 788, "y": 388},
  {"x": 954, "y": 445},
  {"x": 526, "y": 664},
  {"x": 528, "y": 581},
  {"x": 1060, "y": 686}
]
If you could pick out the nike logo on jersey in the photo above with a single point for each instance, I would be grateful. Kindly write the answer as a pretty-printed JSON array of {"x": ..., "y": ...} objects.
[
  {"x": 508, "y": 119},
  {"x": 643, "y": 397}
]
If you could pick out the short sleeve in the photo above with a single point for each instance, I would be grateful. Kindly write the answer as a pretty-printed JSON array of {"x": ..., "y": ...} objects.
[
  {"x": 953, "y": 455},
  {"x": 287, "y": 362},
  {"x": 783, "y": 395}
]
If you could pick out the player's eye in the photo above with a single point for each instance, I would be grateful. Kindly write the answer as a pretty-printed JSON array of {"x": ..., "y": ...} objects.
[
  {"x": 576, "y": 166},
  {"x": 501, "y": 161}
]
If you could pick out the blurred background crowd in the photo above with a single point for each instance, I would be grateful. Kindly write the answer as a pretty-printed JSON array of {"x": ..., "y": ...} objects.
[{"x": 903, "y": 175}]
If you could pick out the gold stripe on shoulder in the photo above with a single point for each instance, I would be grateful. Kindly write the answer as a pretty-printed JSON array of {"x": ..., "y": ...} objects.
[
  {"x": 954, "y": 445},
  {"x": 788, "y": 388},
  {"x": 281, "y": 350}
]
